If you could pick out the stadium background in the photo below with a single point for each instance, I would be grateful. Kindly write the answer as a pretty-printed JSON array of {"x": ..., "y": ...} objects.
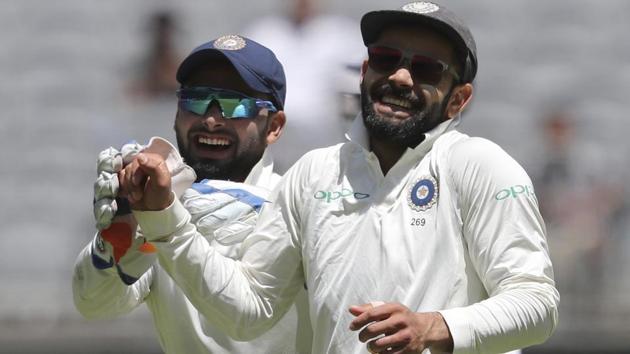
[{"x": 64, "y": 65}]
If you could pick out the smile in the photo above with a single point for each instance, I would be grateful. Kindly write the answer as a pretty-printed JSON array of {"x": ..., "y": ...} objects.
[
  {"x": 391, "y": 100},
  {"x": 213, "y": 141}
]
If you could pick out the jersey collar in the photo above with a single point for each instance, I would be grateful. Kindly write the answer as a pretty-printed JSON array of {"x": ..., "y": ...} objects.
[{"x": 358, "y": 134}]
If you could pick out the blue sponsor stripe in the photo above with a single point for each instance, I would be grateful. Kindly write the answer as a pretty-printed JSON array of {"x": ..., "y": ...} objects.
[{"x": 241, "y": 195}]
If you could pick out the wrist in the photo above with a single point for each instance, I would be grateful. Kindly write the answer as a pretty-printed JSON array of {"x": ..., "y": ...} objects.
[{"x": 439, "y": 337}]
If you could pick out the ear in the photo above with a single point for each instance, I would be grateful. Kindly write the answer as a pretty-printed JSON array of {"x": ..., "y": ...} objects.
[
  {"x": 459, "y": 100},
  {"x": 275, "y": 127},
  {"x": 364, "y": 68}
]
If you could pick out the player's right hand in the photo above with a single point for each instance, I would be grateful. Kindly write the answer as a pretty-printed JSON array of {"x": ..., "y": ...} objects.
[{"x": 146, "y": 182}]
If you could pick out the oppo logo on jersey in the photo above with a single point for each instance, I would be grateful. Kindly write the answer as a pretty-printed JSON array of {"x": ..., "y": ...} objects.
[
  {"x": 514, "y": 192},
  {"x": 334, "y": 195}
]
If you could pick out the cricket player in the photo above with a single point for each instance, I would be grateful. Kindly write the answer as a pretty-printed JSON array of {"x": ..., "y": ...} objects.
[
  {"x": 411, "y": 236},
  {"x": 229, "y": 110}
]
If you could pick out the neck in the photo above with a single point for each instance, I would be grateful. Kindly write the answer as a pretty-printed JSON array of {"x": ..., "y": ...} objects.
[{"x": 388, "y": 153}]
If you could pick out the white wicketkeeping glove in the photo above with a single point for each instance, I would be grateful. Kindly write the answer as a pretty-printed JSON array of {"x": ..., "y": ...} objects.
[
  {"x": 224, "y": 212},
  {"x": 117, "y": 242}
]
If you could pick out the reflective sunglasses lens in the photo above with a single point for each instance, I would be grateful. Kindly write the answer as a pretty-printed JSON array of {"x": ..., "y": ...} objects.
[
  {"x": 238, "y": 108},
  {"x": 233, "y": 104},
  {"x": 230, "y": 107},
  {"x": 383, "y": 58},
  {"x": 198, "y": 107},
  {"x": 426, "y": 70}
]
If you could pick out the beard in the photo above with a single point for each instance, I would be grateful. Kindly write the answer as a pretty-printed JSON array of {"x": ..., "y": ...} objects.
[
  {"x": 236, "y": 169},
  {"x": 409, "y": 132}
]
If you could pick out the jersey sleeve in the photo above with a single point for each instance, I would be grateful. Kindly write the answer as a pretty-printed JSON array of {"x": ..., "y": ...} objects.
[
  {"x": 98, "y": 290},
  {"x": 505, "y": 236},
  {"x": 246, "y": 297}
]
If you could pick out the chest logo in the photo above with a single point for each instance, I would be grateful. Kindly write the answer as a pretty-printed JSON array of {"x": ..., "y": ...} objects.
[{"x": 423, "y": 194}]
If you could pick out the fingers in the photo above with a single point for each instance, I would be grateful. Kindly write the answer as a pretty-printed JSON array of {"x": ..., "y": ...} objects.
[
  {"x": 375, "y": 329},
  {"x": 131, "y": 182},
  {"x": 106, "y": 187},
  {"x": 359, "y": 309},
  {"x": 367, "y": 313},
  {"x": 109, "y": 160},
  {"x": 386, "y": 328},
  {"x": 146, "y": 182},
  {"x": 155, "y": 167},
  {"x": 393, "y": 343},
  {"x": 104, "y": 211}
]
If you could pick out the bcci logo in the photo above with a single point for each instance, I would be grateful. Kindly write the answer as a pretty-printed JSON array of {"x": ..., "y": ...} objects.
[
  {"x": 421, "y": 7},
  {"x": 230, "y": 42},
  {"x": 423, "y": 194}
]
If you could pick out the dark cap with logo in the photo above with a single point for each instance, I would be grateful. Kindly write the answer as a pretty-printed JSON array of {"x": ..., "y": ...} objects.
[
  {"x": 431, "y": 15},
  {"x": 257, "y": 64}
]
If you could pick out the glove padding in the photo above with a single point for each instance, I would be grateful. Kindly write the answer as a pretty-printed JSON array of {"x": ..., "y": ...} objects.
[
  {"x": 117, "y": 242},
  {"x": 224, "y": 212},
  {"x": 111, "y": 161}
]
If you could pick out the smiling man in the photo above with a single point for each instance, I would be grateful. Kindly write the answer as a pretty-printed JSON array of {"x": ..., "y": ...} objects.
[
  {"x": 230, "y": 108},
  {"x": 410, "y": 236},
  {"x": 215, "y": 147}
]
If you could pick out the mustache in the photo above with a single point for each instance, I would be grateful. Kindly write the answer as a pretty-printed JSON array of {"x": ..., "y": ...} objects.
[
  {"x": 379, "y": 91},
  {"x": 203, "y": 129}
]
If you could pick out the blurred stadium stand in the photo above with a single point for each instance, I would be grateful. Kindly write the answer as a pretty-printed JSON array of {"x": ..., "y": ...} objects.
[{"x": 65, "y": 66}]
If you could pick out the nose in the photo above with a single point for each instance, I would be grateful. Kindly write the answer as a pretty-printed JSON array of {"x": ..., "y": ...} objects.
[
  {"x": 213, "y": 117},
  {"x": 401, "y": 78}
]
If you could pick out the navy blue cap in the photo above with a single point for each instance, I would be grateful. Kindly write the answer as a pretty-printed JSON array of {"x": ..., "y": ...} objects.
[
  {"x": 428, "y": 14},
  {"x": 257, "y": 64}
]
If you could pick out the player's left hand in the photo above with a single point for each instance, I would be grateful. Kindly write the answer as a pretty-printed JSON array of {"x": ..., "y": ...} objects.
[{"x": 393, "y": 328}]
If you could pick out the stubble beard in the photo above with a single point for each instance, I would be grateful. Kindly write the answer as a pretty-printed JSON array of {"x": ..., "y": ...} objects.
[{"x": 236, "y": 168}]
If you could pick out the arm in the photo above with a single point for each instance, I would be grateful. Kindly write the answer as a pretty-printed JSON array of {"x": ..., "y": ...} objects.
[
  {"x": 114, "y": 272},
  {"x": 243, "y": 298},
  {"x": 97, "y": 282},
  {"x": 97, "y": 287},
  {"x": 505, "y": 235}
]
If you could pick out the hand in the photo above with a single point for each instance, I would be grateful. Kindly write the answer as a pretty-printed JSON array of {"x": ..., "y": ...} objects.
[
  {"x": 393, "y": 328},
  {"x": 110, "y": 161},
  {"x": 146, "y": 182}
]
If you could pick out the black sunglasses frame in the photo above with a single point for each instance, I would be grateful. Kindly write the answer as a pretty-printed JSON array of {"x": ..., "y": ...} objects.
[{"x": 407, "y": 59}]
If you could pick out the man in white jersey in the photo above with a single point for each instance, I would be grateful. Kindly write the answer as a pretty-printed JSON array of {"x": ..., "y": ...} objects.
[
  {"x": 411, "y": 237},
  {"x": 230, "y": 108}
]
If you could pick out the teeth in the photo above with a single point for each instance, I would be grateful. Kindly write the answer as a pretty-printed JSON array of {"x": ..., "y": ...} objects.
[
  {"x": 213, "y": 141},
  {"x": 396, "y": 101}
]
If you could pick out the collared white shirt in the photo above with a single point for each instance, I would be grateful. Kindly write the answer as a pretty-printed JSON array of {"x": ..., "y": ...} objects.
[{"x": 452, "y": 227}]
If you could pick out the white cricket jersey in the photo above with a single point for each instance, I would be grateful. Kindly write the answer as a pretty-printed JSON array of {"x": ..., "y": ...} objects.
[
  {"x": 453, "y": 227},
  {"x": 180, "y": 326}
]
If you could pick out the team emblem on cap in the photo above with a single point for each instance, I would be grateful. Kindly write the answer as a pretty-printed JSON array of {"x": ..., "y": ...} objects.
[
  {"x": 229, "y": 42},
  {"x": 423, "y": 194},
  {"x": 421, "y": 7}
]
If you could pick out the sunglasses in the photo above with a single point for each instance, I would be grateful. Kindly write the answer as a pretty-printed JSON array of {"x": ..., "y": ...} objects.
[
  {"x": 234, "y": 105},
  {"x": 423, "y": 69}
]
